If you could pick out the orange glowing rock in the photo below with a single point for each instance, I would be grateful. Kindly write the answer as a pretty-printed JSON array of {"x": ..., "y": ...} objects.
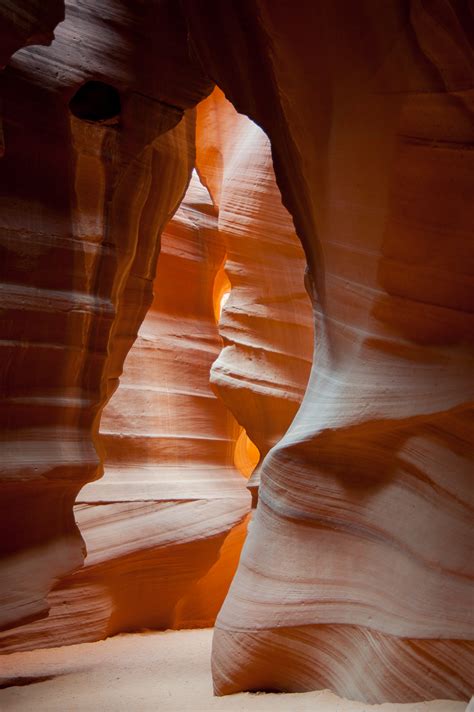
[
  {"x": 267, "y": 320},
  {"x": 164, "y": 526}
]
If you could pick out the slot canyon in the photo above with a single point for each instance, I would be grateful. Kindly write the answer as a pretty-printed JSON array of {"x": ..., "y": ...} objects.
[{"x": 236, "y": 355}]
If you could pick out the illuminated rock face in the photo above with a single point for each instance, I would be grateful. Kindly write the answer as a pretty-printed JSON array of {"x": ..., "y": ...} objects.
[
  {"x": 361, "y": 540},
  {"x": 165, "y": 524},
  {"x": 356, "y": 571},
  {"x": 267, "y": 322},
  {"x": 170, "y": 482}
]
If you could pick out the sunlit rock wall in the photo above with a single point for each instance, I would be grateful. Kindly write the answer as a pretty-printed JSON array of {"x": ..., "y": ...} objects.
[
  {"x": 356, "y": 574},
  {"x": 169, "y": 443},
  {"x": 267, "y": 322},
  {"x": 165, "y": 524}
]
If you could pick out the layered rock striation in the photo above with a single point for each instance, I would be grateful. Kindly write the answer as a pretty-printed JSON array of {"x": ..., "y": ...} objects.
[
  {"x": 87, "y": 191},
  {"x": 267, "y": 322},
  {"x": 357, "y": 571},
  {"x": 165, "y": 524},
  {"x": 362, "y": 538}
]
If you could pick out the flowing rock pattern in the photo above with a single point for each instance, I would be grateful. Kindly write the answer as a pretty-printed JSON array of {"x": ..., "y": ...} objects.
[
  {"x": 357, "y": 571},
  {"x": 165, "y": 524},
  {"x": 267, "y": 322},
  {"x": 84, "y": 202},
  {"x": 362, "y": 539}
]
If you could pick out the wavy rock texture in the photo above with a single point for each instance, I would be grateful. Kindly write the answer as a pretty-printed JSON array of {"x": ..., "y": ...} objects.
[
  {"x": 26, "y": 24},
  {"x": 356, "y": 572},
  {"x": 165, "y": 524},
  {"x": 83, "y": 205},
  {"x": 267, "y": 322}
]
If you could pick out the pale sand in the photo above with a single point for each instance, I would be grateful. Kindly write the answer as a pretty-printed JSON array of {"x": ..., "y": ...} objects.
[{"x": 159, "y": 672}]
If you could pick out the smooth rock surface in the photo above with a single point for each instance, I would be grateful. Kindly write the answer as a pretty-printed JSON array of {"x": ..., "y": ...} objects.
[
  {"x": 357, "y": 571},
  {"x": 83, "y": 203},
  {"x": 267, "y": 322},
  {"x": 165, "y": 524}
]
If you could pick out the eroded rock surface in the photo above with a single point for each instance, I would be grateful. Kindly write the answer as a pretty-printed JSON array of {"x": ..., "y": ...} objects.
[
  {"x": 362, "y": 538},
  {"x": 356, "y": 573},
  {"x": 165, "y": 524},
  {"x": 83, "y": 203},
  {"x": 267, "y": 322}
]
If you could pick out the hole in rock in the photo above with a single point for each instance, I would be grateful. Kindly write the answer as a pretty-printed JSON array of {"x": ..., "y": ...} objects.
[{"x": 95, "y": 101}]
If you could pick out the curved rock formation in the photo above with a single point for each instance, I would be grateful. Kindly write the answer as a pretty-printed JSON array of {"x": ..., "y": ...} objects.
[
  {"x": 84, "y": 201},
  {"x": 357, "y": 570},
  {"x": 165, "y": 524},
  {"x": 267, "y": 322},
  {"x": 361, "y": 541},
  {"x": 30, "y": 23}
]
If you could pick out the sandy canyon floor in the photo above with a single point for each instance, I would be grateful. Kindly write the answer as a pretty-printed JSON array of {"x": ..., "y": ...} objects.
[{"x": 159, "y": 672}]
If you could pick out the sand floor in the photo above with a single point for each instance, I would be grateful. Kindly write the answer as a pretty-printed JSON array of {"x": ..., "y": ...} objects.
[{"x": 156, "y": 672}]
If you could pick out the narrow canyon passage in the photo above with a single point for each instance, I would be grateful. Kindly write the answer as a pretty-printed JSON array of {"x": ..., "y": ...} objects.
[
  {"x": 225, "y": 349},
  {"x": 236, "y": 331}
]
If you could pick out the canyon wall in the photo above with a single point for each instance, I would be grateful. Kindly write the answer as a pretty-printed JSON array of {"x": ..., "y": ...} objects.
[
  {"x": 361, "y": 542},
  {"x": 165, "y": 524},
  {"x": 87, "y": 190},
  {"x": 28, "y": 23},
  {"x": 357, "y": 569},
  {"x": 267, "y": 322}
]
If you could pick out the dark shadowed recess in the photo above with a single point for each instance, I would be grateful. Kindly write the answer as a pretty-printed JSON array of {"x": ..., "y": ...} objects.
[{"x": 95, "y": 101}]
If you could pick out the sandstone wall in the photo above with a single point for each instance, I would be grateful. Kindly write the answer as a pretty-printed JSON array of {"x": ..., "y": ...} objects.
[
  {"x": 362, "y": 538},
  {"x": 82, "y": 206},
  {"x": 267, "y": 322},
  {"x": 165, "y": 524},
  {"x": 356, "y": 572}
]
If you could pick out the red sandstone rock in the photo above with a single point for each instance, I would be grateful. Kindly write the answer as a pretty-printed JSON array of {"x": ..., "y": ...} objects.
[
  {"x": 361, "y": 542},
  {"x": 267, "y": 322},
  {"x": 165, "y": 524},
  {"x": 82, "y": 207},
  {"x": 27, "y": 23},
  {"x": 356, "y": 572}
]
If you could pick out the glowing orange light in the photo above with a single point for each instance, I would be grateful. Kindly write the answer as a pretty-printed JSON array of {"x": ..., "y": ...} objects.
[{"x": 246, "y": 454}]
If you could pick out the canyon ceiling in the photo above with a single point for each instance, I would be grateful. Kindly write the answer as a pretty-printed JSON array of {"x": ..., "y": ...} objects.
[{"x": 313, "y": 162}]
